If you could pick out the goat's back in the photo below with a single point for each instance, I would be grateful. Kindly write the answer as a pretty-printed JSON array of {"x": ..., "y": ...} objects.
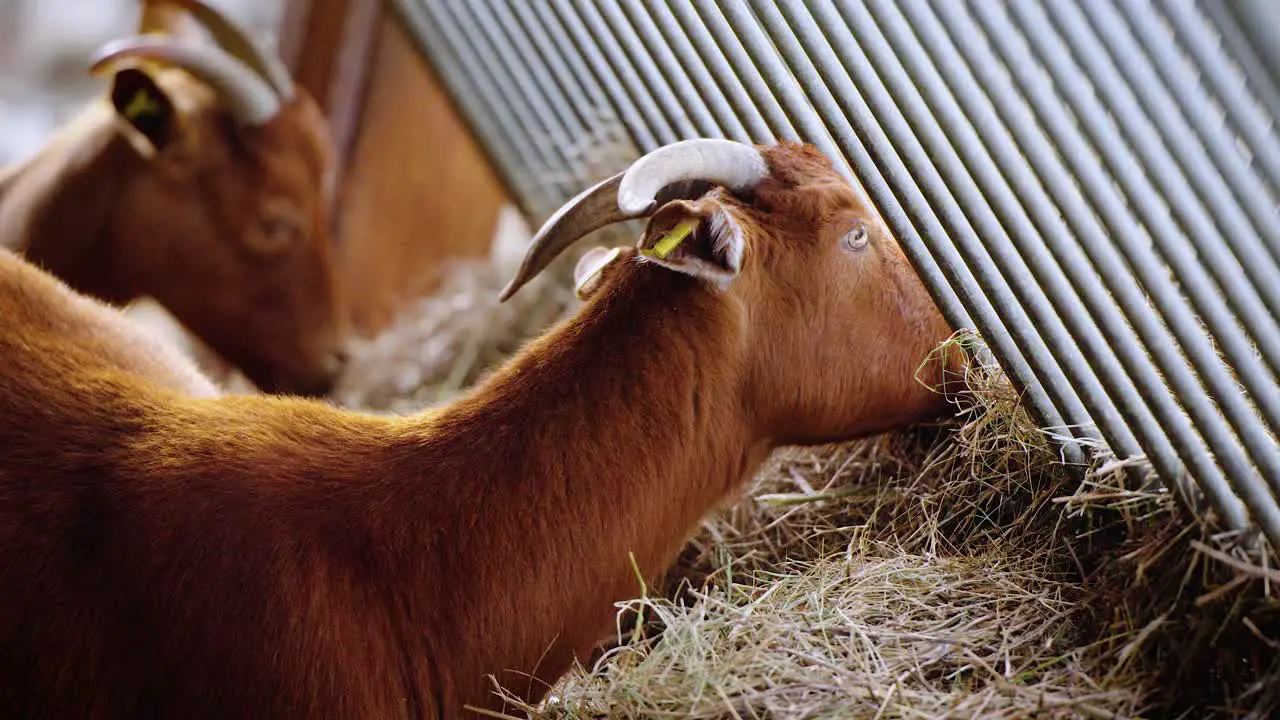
[
  {"x": 166, "y": 554},
  {"x": 53, "y": 330}
]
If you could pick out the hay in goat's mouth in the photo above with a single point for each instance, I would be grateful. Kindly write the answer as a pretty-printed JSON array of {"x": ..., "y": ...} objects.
[{"x": 957, "y": 571}]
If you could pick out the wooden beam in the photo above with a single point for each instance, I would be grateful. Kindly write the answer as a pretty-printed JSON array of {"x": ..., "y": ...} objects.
[
  {"x": 419, "y": 189},
  {"x": 293, "y": 31},
  {"x": 328, "y": 46},
  {"x": 416, "y": 189}
]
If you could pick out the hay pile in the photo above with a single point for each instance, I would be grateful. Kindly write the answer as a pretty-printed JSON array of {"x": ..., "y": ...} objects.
[
  {"x": 956, "y": 571},
  {"x": 951, "y": 571}
]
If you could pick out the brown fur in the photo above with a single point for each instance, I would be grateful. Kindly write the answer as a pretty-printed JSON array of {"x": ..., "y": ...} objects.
[
  {"x": 168, "y": 555},
  {"x": 195, "y": 223}
]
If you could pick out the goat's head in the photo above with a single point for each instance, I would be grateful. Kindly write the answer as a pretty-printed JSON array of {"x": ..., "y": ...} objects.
[
  {"x": 228, "y": 226},
  {"x": 836, "y": 320}
]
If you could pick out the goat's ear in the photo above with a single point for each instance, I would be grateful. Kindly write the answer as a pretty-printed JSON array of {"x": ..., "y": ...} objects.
[
  {"x": 140, "y": 102},
  {"x": 697, "y": 238},
  {"x": 590, "y": 269}
]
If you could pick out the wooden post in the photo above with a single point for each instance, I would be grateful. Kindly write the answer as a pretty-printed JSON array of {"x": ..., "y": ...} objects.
[{"x": 416, "y": 189}]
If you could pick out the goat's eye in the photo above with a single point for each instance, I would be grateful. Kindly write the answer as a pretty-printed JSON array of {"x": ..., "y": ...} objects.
[
  {"x": 276, "y": 234},
  {"x": 855, "y": 239}
]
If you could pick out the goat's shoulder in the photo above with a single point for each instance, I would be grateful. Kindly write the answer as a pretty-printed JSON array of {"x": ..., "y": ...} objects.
[
  {"x": 56, "y": 333},
  {"x": 266, "y": 499}
]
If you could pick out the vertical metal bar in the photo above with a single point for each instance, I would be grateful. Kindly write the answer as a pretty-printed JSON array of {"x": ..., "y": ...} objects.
[
  {"x": 569, "y": 32},
  {"x": 1018, "y": 254},
  {"x": 489, "y": 80},
  {"x": 726, "y": 38},
  {"x": 1156, "y": 166},
  {"x": 455, "y": 80},
  {"x": 548, "y": 120},
  {"x": 869, "y": 142},
  {"x": 606, "y": 140},
  {"x": 597, "y": 140},
  {"x": 598, "y": 112},
  {"x": 499, "y": 126},
  {"x": 1235, "y": 199},
  {"x": 658, "y": 26},
  {"x": 930, "y": 57},
  {"x": 782, "y": 83},
  {"x": 590, "y": 31},
  {"x": 739, "y": 99},
  {"x": 1243, "y": 112},
  {"x": 1016, "y": 56},
  {"x": 668, "y": 102},
  {"x": 1226, "y": 19},
  {"x": 664, "y": 51},
  {"x": 550, "y": 83}
]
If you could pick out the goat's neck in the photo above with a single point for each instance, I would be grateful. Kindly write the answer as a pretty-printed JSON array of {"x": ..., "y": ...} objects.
[
  {"x": 608, "y": 441},
  {"x": 55, "y": 207}
]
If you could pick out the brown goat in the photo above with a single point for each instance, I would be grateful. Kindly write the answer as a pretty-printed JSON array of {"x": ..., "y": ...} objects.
[
  {"x": 202, "y": 185},
  {"x": 169, "y": 555}
]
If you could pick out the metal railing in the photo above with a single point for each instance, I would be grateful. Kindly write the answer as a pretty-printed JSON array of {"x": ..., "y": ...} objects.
[{"x": 1092, "y": 184}]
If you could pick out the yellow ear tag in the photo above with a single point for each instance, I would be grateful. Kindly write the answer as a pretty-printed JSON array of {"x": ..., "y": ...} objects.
[
  {"x": 671, "y": 240},
  {"x": 141, "y": 104}
]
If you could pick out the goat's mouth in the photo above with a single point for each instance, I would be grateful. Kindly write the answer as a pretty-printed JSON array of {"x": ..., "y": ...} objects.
[
  {"x": 697, "y": 243},
  {"x": 674, "y": 243}
]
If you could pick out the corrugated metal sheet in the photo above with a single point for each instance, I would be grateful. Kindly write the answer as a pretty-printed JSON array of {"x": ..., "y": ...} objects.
[{"x": 1091, "y": 184}]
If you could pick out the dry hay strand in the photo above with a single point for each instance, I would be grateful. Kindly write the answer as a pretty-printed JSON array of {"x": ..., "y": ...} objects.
[
  {"x": 877, "y": 632},
  {"x": 1189, "y": 606}
]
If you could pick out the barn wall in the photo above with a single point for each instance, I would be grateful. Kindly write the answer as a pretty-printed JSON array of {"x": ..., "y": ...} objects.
[{"x": 416, "y": 189}]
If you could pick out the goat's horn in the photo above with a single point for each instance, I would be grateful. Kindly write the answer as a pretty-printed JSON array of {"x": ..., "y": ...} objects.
[
  {"x": 591, "y": 209},
  {"x": 729, "y": 164},
  {"x": 682, "y": 169},
  {"x": 245, "y": 96},
  {"x": 236, "y": 41}
]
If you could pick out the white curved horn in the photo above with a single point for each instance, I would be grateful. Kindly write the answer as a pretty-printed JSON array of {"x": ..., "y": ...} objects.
[
  {"x": 244, "y": 95},
  {"x": 681, "y": 170},
  {"x": 591, "y": 209},
  {"x": 236, "y": 40},
  {"x": 730, "y": 164}
]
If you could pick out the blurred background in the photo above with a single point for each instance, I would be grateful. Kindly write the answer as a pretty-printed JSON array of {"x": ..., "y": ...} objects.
[
  {"x": 43, "y": 47},
  {"x": 416, "y": 192}
]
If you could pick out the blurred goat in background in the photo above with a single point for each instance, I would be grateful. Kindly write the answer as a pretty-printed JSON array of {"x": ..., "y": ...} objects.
[{"x": 200, "y": 181}]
